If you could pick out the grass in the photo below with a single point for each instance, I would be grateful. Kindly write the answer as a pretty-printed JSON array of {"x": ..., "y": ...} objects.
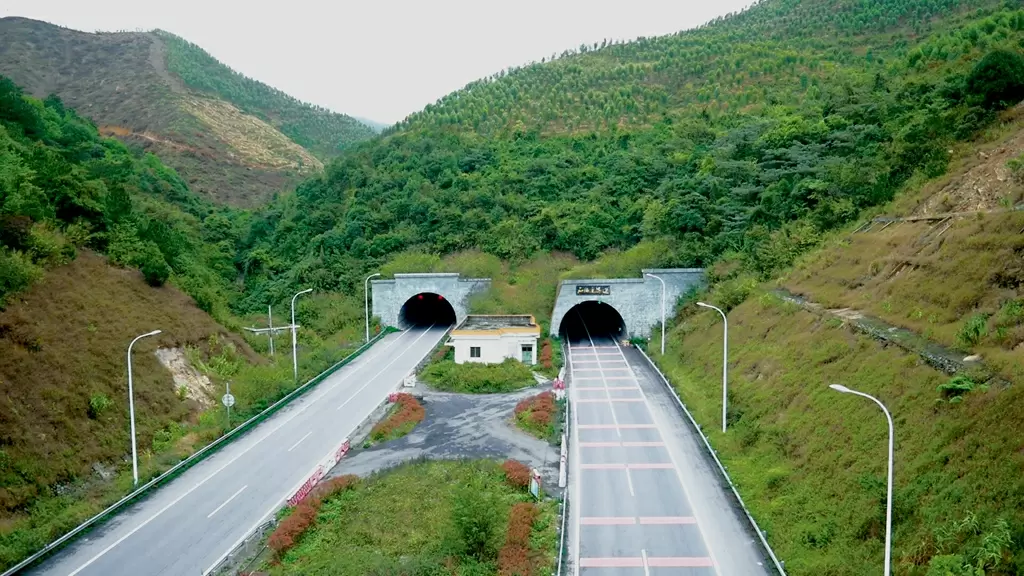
[
  {"x": 63, "y": 380},
  {"x": 810, "y": 463},
  {"x": 403, "y": 416},
  {"x": 475, "y": 378},
  {"x": 381, "y": 526}
]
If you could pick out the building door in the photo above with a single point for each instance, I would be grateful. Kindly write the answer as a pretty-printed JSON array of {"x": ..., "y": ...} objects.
[{"x": 528, "y": 355}]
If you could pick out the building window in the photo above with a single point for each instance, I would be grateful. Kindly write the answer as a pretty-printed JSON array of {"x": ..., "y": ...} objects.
[
  {"x": 527, "y": 354},
  {"x": 474, "y": 351}
]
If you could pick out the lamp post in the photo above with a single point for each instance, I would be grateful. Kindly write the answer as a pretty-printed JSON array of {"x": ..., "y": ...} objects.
[
  {"x": 366, "y": 299},
  {"x": 725, "y": 359},
  {"x": 295, "y": 357},
  {"x": 131, "y": 406},
  {"x": 888, "y": 498},
  {"x": 662, "y": 310}
]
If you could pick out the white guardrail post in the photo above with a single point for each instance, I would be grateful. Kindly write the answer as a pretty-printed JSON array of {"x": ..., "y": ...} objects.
[
  {"x": 721, "y": 468},
  {"x": 201, "y": 453}
]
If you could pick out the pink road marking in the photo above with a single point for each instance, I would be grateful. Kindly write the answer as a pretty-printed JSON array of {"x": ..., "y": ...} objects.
[
  {"x": 613, "y": 426},
  {"x": 603, "y": 466},
  {"x": 603, "y": 378},
  {"x": 654, "y": 466},
  {"x": 603, "y": 388},
  {"x": 595, "y": 400},
  {"x": 607, "y": 520},
  {"x": 668, "y": 520},
  {"x": 642, "y": 444},
  {"x": 620, "y": 444},
  {"x": 636, "y": 562},
  {"x": 679, "y": 561}
]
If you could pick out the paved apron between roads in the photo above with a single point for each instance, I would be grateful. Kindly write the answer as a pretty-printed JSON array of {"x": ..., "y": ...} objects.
[
  {"x": 187, "y": 526},
  {"x": 633, "y": 509}
]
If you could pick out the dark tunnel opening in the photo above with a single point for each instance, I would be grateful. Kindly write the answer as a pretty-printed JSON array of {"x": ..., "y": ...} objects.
[
  {"x": 592, "y": 320},
  {"x": 426, "y": 309}
]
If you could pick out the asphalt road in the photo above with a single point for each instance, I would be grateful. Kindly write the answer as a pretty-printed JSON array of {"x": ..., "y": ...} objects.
[
  {"x": 186, "y": 527},
  {"x": 645, "y": 499}
]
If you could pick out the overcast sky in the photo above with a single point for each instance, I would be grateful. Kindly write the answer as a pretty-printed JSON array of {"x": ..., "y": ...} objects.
[{"x": 379, "y": 59}]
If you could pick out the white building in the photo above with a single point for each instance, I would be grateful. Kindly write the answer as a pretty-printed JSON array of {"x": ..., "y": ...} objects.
[{"x": 492, "y": 339}]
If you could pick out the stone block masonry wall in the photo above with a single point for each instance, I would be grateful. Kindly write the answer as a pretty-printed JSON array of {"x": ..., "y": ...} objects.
[
  {"x": 637, "y": 300},
  {"x": 388, "y": 296}
]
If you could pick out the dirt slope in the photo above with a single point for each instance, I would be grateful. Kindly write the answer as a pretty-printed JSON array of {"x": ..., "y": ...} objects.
[
  {"x": 121, "y": 82},
  {"x": 62, "y": 349}
]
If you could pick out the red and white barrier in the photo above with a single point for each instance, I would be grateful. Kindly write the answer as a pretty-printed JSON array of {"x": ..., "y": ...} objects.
[{"x": 321, "y": 470}]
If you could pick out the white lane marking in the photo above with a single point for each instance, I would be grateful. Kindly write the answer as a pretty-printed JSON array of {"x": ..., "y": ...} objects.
[
  {"x": 604, "y": 381},
  {"x": 210, "y": 515},
  {"x": 300, "y": 440},
  {"x": 386, "y": 366},
  {"x": 274, "y": 508},
  {"x": 629, "y": 480},
  {"x": 675, "y": 465},
  {"x": 643, "y": 556},
  {"x": 218, "y": 470}
]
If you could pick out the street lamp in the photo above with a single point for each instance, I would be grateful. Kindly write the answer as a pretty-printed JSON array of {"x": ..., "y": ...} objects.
[
  {"x": 295, "y": 357},
  {"x": 366, "y": 299},
  {"x": 662, "y": 311},
  {"x": 725, "y": 358},
  {"x": 888, "y": 499},
  {"x": 131, "y": 406}
]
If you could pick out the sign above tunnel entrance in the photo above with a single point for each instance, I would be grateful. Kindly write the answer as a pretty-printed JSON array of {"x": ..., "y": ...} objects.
[{"x": 591, "y": 290}]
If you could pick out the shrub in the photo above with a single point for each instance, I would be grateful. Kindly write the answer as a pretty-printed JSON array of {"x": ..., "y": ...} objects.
[
  {"x": 998, "y": 79},
  {"x": 16, "y": 272},
  {"x": 404, "y": 416},
  {"x": 545, "y": 355},
  {"x": 517, "y": 474},
  {"x": 153, "y": 266},
  {"x": 956, "y": 388},
  {"x": 98, "y": 404},
  {"x": 971, "y": 333},
  {"x": 514, "y": 559},
  {"x": 474, "y": 378},
  {"x": 474, "y": 516},
  {"x": 291, "y": 528},
  {"x": 536, "y": 414}
]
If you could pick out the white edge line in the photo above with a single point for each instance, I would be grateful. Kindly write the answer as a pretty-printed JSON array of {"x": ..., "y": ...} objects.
[
  {"x": 310, "y": 401},
  {"x": 300, "y": 441},
  {"x": 643, "y": 555},
  {"x": 277, "y": 505},
  {"x": 232, "y": 497},
  {"x": 386, "y": 366},
  {"x": 574, "y": 468}
]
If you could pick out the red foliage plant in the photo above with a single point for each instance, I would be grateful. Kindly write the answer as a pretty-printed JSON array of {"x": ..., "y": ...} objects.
[
  {"x": 517, "y": 474},
  {"x": 545, "y": 355},
  {"x": 541, "y": 408},
  {"x": 295, "y": 524},
  {"x": 514, "y": 558},
  {"x": 409, "y": 410}
]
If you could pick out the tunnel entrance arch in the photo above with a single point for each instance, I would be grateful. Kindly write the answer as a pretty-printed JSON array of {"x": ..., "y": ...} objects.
[
  {"x": 592, "y": 319},
  {"x": 426, "y": 309}
]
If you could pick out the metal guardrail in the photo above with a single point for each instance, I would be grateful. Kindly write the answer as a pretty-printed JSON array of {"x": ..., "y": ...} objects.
[
  {"x": 193, "y": 459},
  {"x": 565, "y": 492},
  {"x": 247, "y": 551},
  {"x": 721, "y": 468}
]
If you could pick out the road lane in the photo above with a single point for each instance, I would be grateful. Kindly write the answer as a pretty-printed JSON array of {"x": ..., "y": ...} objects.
[
  {"x": 170, "y": 532},
  {"x": 635, "y": 474}
]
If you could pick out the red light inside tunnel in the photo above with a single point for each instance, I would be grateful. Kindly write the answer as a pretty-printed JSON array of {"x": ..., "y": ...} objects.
[
  {"x": 439, "y": 297},
  {"x": 420, "y": 296}
]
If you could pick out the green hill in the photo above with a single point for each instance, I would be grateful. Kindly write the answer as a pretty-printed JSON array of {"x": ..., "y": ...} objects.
[
  {"x": 755, "y": 133},
  {"x": 232, "y": 139}
]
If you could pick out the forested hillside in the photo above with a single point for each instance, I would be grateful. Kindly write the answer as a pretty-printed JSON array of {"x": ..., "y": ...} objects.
[
  {"x": 753, "y": 134},
  {"x": 232, "y": 139},
  {"x": 317, "y": 129}
]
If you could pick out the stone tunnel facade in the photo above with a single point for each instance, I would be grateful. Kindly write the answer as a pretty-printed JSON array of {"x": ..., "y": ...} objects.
[
  {"x": 389, "y": 296},
  {"x": 637, "y": 300}
]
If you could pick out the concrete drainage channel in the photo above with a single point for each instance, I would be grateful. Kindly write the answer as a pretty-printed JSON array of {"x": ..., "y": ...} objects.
[{"x": 456, "y": 426}]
